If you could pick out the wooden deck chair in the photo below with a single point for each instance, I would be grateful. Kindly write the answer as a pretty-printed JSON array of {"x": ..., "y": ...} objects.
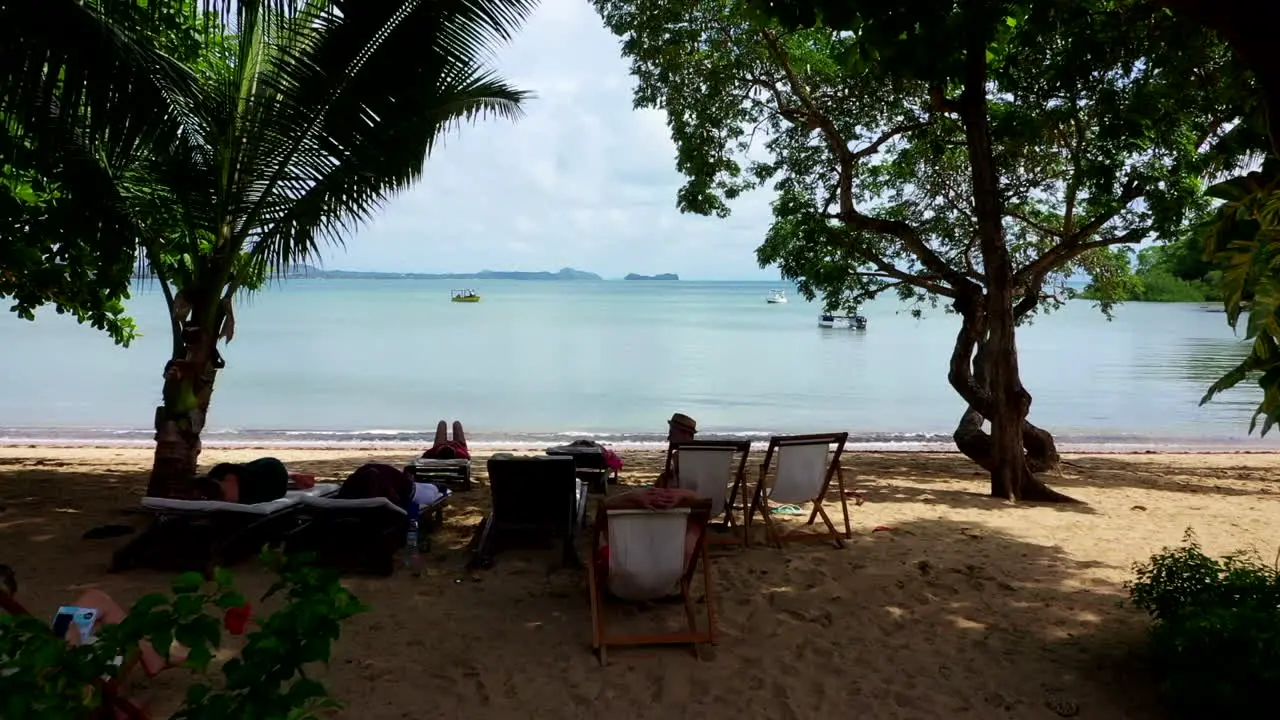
[
  {"x": 115, "y": 706},
  {"x": 707, "y": 468},
  {"x": 203, "y": 534},
  {"x": 641, "y": 554},
  {"x": 805, "y": 469},
  {"x": 537, "y": 498},
  {"x": 358, "y": 534}
]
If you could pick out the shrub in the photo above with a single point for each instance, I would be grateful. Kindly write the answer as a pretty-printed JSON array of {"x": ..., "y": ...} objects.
[
  {"x": 41, "y": 676},
  {"x": 1215, "y": 634}
]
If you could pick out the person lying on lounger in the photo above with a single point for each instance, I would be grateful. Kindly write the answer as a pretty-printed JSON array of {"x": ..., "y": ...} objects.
[
  {"x": 446, "y": 449},
  {"x": 680, "y": 428},
  {"x": 375, "y": 480},
  {"x": 257, "y": 481}
]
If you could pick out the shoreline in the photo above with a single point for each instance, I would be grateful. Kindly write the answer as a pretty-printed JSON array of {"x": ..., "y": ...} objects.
[{"x": 488, "y": 448}]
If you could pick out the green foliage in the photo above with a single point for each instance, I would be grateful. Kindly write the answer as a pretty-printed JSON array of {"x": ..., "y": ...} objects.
[
  {"x": 1173, "y": 272},
  {"x": 1087, "y": 117},
  {"x": 63, "y": 240},
  {"x": 1244, "y": 237},
  {"x": 41, "y": 676},
  {"x": 1215, "y": 635}
]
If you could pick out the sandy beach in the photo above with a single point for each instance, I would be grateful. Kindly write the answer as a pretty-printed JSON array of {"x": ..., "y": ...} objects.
[{"x": 946, "y": 603}]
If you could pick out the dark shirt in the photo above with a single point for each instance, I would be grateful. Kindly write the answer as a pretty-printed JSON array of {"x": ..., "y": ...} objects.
[
  {"x": 262, "y": 480},
  {"x": 375, "y": 480}
]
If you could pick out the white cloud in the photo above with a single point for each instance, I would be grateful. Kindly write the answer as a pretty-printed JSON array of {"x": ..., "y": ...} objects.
[{"x": 583, "y": 180}]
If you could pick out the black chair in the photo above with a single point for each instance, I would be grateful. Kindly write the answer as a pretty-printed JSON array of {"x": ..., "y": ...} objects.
[
  {"x": 536, "y": 499},
  {"x": 591, "y": 465}
]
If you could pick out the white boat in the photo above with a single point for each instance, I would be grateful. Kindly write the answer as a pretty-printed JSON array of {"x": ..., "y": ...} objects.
[
  {"x": 776, "y": 297},
  {"x": 853, "y": 322}
]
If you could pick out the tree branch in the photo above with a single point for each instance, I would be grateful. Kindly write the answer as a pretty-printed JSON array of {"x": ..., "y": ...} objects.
[
  {"x": 845, "y": 161},
  {"x": 1075, "y": 243}
]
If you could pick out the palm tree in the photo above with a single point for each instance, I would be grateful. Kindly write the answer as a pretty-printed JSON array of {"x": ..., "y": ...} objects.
[{"x": 299, "y": 121}]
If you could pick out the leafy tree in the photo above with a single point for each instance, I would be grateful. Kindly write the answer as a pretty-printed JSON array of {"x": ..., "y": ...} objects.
[
  {"x": 1176, "y": 271},
  {"x": 47, "y": 256},
  {"x": 231, "y": 169},
  {"x": 1243, "y": 236},
  {"x": 970, "y": 154}
]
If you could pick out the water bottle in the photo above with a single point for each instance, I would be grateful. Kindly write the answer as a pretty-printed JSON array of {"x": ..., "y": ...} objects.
[{"x": 412, "y": 556}]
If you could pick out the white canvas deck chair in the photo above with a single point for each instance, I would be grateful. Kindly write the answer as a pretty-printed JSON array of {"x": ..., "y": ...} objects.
[
  {"x": 805, "y": 468},
  {"x": 708, "y": 468},
  {"x": 648, "y": 559}
]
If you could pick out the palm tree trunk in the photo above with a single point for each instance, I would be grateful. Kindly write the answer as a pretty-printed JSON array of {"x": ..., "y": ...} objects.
[{"x": 188, "y": 389}]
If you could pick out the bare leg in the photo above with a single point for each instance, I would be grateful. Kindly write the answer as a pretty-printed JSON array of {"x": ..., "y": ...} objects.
[
  {"x": 442, "y": 433},
  {"x": 458, "y": 435},
  {"x": 108, "y": 613}
]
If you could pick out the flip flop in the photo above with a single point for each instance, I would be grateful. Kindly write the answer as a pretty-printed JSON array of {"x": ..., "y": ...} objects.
[
  {"x": 107, "y": 531},
  {"x": 788, "y": 510}
]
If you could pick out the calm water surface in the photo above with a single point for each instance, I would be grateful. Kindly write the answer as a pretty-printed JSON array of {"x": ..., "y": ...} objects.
[{"x": 382, "y": 360}]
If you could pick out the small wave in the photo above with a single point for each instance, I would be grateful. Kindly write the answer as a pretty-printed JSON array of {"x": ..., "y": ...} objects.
[{"x": 395, "y": 438}]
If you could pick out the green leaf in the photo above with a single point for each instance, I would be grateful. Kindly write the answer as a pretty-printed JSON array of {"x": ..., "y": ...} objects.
[{"x": 186, "y": 583}]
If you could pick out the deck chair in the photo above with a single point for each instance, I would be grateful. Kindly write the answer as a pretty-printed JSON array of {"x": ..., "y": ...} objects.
[
  {"x": 203, "y": 534},
  {"x": 114, "y": 704},
  {"x": 805, "y": 469},
  {"x": 358, "y": 535},
  {"x": 447, "y": 473},
  {"x": 648, "y": 558},
  {"x": 538, "y": 498},
  {"x": 707, "y": 468}
]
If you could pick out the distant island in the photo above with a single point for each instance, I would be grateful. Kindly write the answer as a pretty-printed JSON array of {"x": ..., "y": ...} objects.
[
  {"x": 308, "y": 271},
  {"x": 663, "y": 276}
]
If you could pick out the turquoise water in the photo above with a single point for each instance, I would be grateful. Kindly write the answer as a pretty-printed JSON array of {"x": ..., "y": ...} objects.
[{"x": 337, "y": 361}]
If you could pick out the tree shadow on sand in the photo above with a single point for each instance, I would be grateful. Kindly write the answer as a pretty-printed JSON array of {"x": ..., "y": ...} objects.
[
  {"x": 934, "y": 618},
  {"x": 934, "y": 478}
]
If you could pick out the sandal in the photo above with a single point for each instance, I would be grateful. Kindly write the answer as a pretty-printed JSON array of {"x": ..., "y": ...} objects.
[{"x": 788, "y": 510}]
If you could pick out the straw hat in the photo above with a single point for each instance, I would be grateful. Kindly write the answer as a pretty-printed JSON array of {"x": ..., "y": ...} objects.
[{"x": 683, "y": 421}]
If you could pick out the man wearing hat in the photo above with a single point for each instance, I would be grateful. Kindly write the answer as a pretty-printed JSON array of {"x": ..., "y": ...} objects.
[{"x": 680, "y": 428}]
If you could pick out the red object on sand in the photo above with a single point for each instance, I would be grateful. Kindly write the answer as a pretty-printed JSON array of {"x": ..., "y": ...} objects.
[
  {"x": 237, "y": 618},
  {"x": 881, "y": 528}
]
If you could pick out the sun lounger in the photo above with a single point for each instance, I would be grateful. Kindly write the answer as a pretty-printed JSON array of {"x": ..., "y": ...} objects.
[
  {"x": 202, "y": 534},
  {"x": 592, "y": 465},
  {"x": 358, "y": 535},
  {"x": 805, "y": 468},
  {"x": 114, "y": 704},
  {"x": 451, "y": 473},
  {"x": 537, "y": 498},
  {"x": 707, "y": 468},
  {"x": 652, "y": 554}
]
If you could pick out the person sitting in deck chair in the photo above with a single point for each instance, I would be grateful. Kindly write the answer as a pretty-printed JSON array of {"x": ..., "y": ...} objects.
[
  {"x": 257, "y": 481},
  {"x": 446, "y": 449},
  {"x": 374, "y": 480},
  {"x": 680, "y": 428},
  {"x": 652, "y": 499}
]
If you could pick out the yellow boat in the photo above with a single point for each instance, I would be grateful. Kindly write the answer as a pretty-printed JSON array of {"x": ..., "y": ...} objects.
[{"x": 464, "y": 296}]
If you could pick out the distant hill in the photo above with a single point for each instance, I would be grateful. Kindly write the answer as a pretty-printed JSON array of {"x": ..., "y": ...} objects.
[
  {"x": 308, "y": 271},
  {"x": 663, "y": 276}
]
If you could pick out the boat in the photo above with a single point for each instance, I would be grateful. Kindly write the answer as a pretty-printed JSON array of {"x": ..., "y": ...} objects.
[
  {"x": 776, "y": 297},
  {"x": 854, "y": 322},
  {"x": 464, "y": 296}
]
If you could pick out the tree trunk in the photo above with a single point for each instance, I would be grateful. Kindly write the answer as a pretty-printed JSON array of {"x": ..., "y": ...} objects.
[
  {"x": 975, "y": 443},
  {"x": 188, "y": 389},
  {"x": 990, "y": 318}
]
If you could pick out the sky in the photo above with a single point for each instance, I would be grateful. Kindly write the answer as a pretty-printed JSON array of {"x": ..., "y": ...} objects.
[{"x": 581, "y": 181}]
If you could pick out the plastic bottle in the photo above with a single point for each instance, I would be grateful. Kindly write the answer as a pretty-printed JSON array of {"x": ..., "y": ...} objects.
[{"x": 413, "y": 552}]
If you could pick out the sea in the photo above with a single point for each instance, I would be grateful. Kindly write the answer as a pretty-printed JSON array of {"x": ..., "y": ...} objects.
[{"x": 377, "y": 362}]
